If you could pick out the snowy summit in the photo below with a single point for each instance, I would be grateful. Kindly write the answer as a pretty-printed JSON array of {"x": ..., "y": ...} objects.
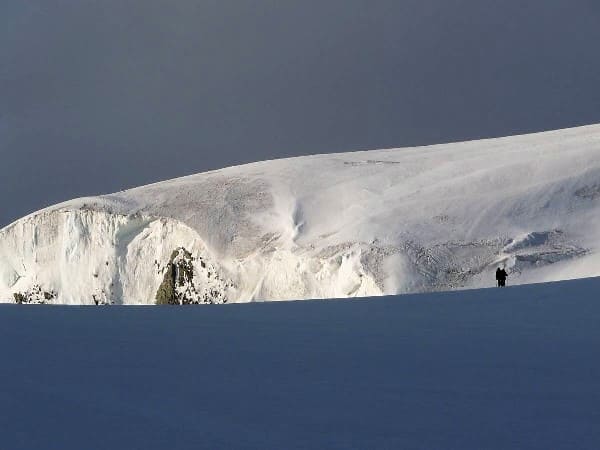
[{"x": 354, "y": 224}]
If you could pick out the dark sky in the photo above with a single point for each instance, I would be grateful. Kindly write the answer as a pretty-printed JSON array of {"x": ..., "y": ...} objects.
[{"x": 98, "y": 96}]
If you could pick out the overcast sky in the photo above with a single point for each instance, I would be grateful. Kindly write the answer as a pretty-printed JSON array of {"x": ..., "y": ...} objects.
[{"x": 99, "y": 96}]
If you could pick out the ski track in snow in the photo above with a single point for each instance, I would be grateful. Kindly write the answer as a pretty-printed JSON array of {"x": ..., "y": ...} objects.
[{"x": 324, "y": 226}]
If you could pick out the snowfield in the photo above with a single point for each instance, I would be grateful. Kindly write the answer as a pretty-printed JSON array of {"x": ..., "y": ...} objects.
[
  {"x": 513, "y": 368},
  {"x": 326, "y": 226}
]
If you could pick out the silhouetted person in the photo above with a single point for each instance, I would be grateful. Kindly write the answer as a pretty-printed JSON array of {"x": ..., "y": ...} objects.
[{"x": 501, "y": 276}]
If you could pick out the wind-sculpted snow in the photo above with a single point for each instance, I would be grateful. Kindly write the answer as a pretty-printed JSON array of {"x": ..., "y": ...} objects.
[{"x": 339, "y": 225}]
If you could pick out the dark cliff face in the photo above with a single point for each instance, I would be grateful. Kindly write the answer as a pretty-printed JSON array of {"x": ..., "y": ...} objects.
[{"x": 179, "y": 283}]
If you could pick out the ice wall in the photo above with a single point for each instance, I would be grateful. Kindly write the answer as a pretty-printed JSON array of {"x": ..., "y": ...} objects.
[
  {"x": 88, "y": 257},
  {"x": 95, "y": 257}
]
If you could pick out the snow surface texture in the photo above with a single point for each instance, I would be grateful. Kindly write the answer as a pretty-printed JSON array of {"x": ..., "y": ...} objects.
[
  {"x": 324, "y": 226},
  {"x": 513, "y": 368}
]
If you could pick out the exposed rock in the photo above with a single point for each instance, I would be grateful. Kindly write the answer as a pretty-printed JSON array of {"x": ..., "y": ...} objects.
[
  {"x": 182, "y": 286},
  {"x": 35, "y": 295}
]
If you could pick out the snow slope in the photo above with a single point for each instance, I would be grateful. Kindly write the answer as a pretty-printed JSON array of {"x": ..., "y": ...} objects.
[
  {"x": 324, "y": 226},
  {"x": 513, "y": 368}
]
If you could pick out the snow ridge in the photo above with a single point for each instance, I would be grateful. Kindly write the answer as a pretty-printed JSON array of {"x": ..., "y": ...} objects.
[{"x": 324, "y": 226}]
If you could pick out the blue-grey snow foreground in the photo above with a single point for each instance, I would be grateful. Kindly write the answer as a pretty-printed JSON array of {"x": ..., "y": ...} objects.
[
  {"x": 513, "y": 368},
  {"x": 339, "y": 225}
]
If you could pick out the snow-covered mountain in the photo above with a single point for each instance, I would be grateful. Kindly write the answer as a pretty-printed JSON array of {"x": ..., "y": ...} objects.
[{"x": 337, "y": 225}]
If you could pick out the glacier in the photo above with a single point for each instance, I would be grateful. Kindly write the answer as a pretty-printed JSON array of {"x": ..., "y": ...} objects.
[{"x": 355, "y": 224}]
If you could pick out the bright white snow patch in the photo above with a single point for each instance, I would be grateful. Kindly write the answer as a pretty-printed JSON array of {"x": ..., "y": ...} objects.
[{"x": 338, "y": 225}]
